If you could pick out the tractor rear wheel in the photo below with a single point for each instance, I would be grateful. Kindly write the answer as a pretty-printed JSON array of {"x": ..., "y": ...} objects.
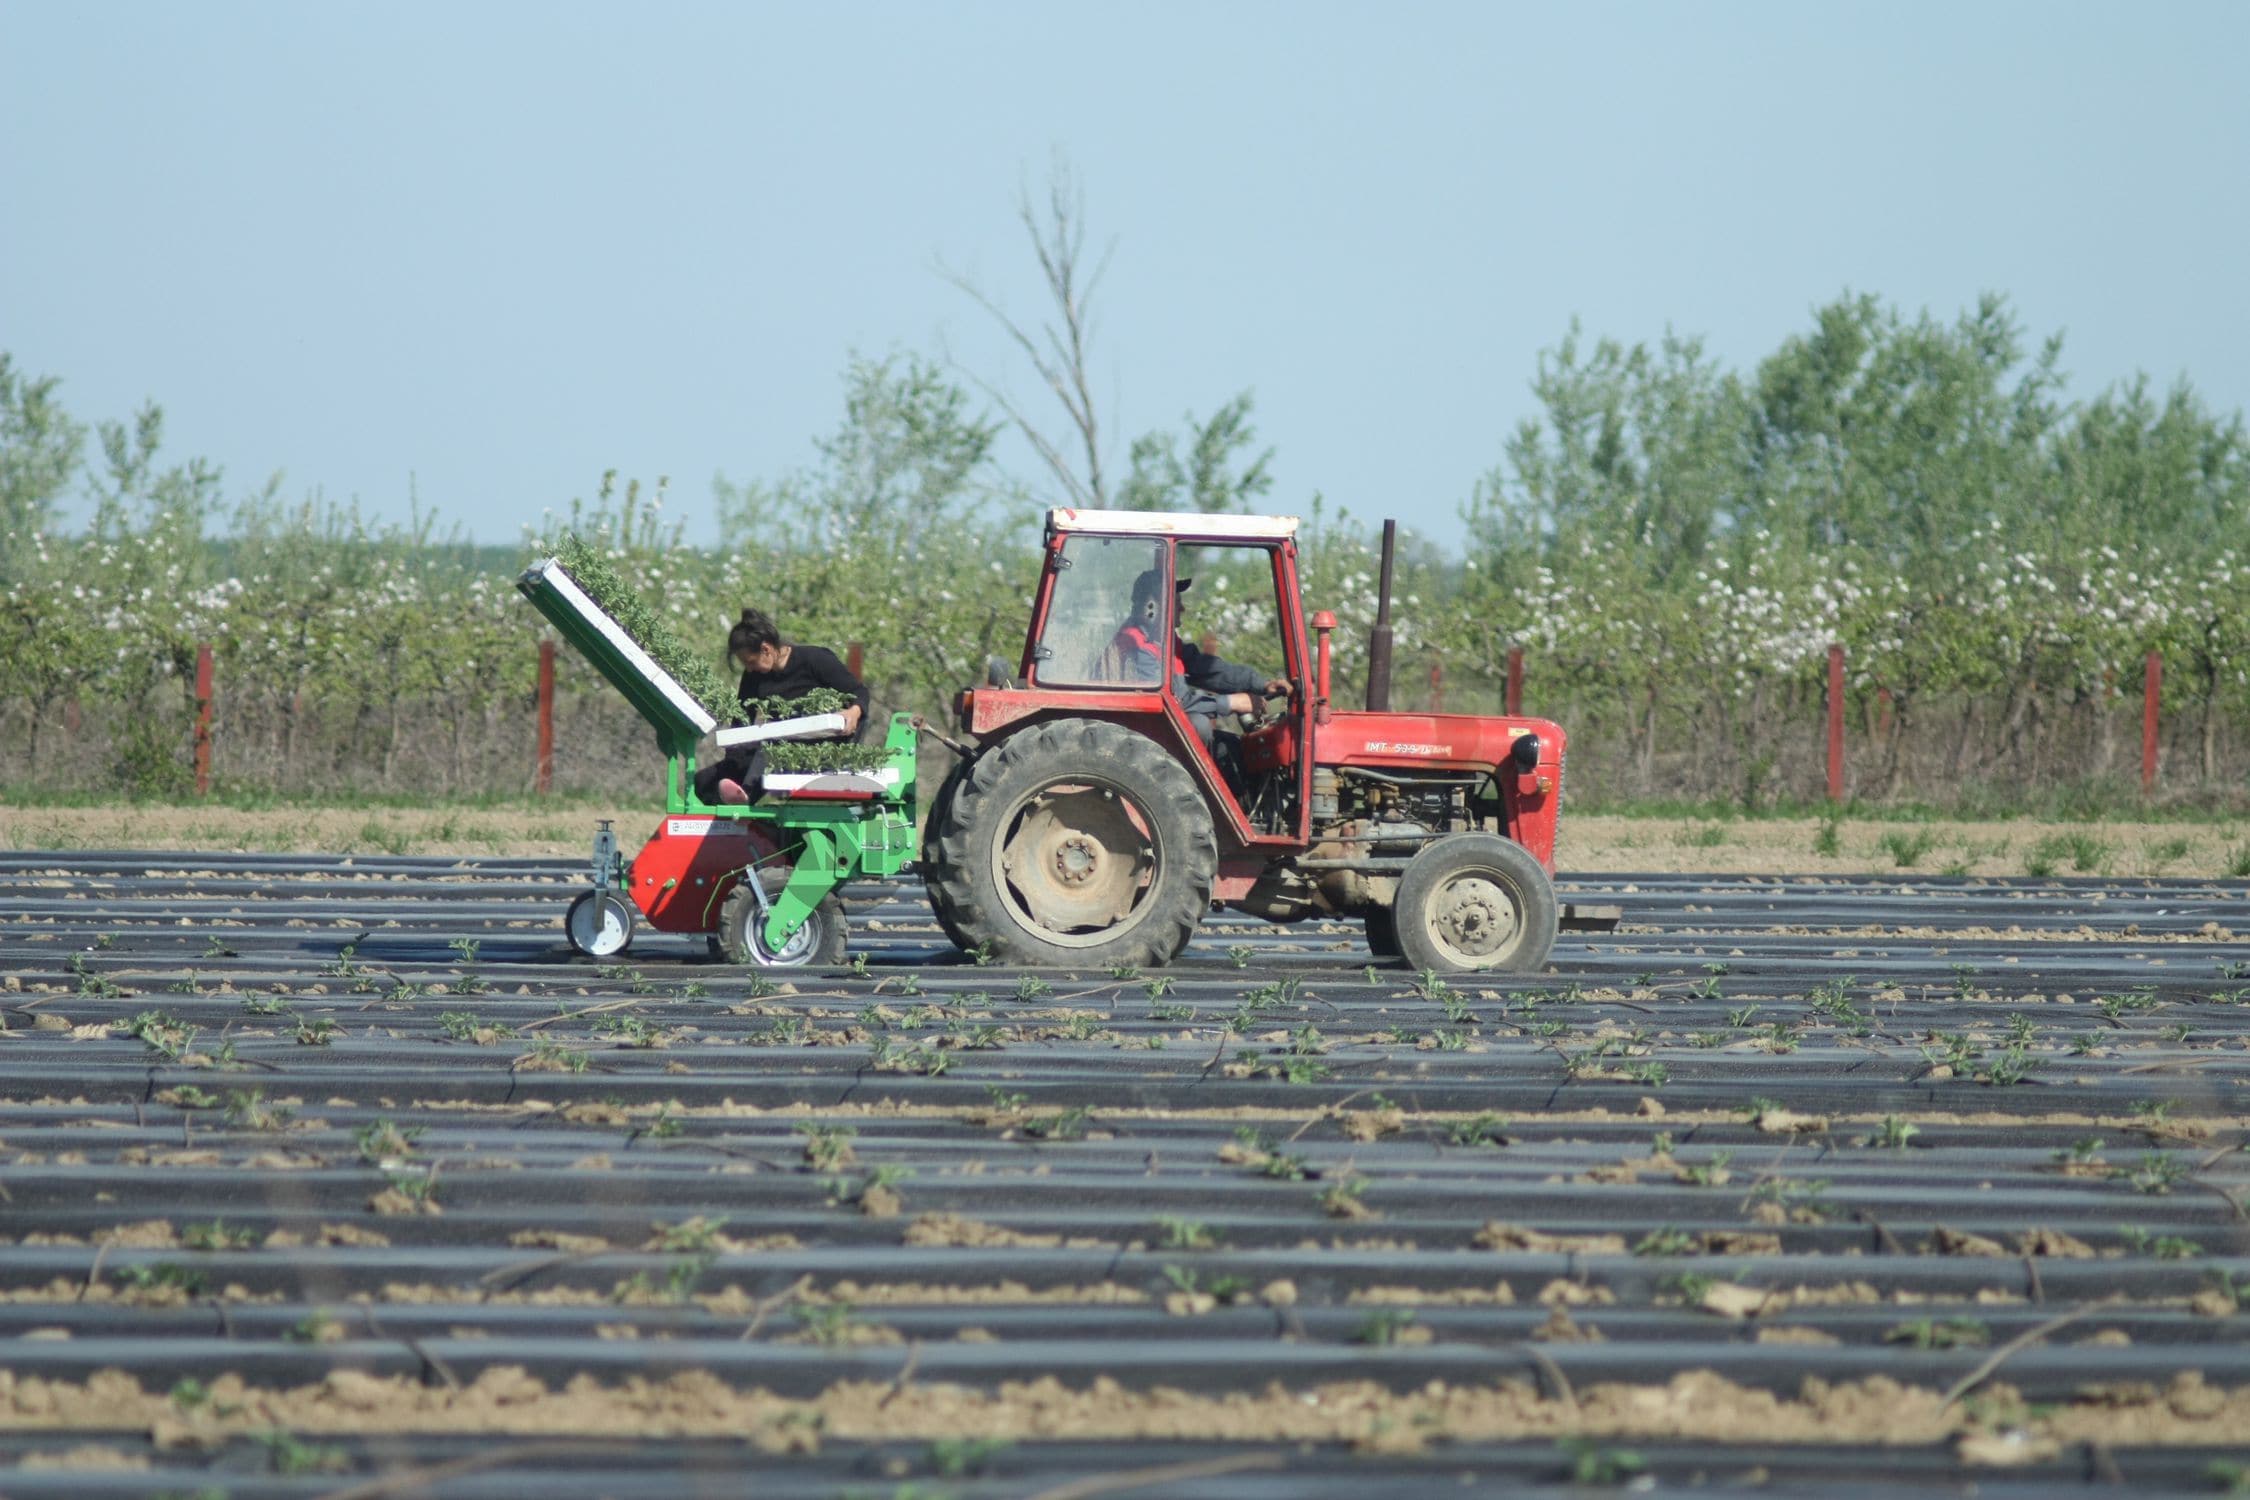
[
  {"x": 742, "y": 929},
  {"x": 1074, "y": 842},
  {"x": 937, "y": 878},
  {"x": 1475, "y": 902}
]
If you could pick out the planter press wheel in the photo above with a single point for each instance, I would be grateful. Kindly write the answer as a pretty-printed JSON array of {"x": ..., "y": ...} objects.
[
  {"x": 742, "y": 929},
  {"x": 1475, "y": 902},
  {"x": 599, "y": 923}
]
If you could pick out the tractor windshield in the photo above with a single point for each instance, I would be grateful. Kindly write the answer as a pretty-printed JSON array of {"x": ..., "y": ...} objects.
[{"x": 1109, "y": 619}]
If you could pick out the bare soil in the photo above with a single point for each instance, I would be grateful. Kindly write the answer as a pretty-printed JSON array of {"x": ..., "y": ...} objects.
[
  {"x": 1696, "y": 1404},
  {"x": 1589, "y": 845}
]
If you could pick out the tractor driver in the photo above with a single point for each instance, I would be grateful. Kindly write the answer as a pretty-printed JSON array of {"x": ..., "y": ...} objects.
[
  {"x": 774, "y": 668},
  {"x": 1205, "y": 685}
]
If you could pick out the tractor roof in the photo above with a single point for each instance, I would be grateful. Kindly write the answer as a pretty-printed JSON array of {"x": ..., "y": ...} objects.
[{"x": 1187, "y": 525}]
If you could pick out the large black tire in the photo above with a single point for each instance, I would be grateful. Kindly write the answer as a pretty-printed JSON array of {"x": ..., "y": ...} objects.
[
  {"x": 1382, "y": 932},
  {"x": 1475, "y": 902},
  {"x": 931, "y": 861},
  {"x": 1072, "y": 843},
  {"x": 820, "y": 942}
]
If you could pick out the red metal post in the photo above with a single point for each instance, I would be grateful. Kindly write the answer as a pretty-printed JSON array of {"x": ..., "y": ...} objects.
[
  {"x": 1836, "y": 721},
  {"x": 1437, "y": 687},
  {"x": 203, "y": 720},
  {"x": 855, "y": 655},
  {"x": 1514, "y": 701},
  {"x": 546, "y": 781},
  {"x": 2151, "y": 690}
]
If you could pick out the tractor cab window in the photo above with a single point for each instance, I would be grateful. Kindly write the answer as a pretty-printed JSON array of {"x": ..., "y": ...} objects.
[
  {"x": 1109, "y": 617},
  {"x": 1228, "y": 607}
]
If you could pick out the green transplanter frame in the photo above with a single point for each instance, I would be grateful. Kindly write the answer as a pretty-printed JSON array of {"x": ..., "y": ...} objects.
[{"x": 826, "y": 840}]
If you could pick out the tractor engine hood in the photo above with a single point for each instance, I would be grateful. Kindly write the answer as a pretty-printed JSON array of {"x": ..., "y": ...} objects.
[{"x": 1406, "y": 741}]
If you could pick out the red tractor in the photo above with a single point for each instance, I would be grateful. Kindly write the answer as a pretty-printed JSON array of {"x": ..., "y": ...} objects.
[{"x": 1102, "y": 811}]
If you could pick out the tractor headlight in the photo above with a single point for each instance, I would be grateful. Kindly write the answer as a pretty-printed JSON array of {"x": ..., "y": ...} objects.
[{"x": 1525, "y": 753}]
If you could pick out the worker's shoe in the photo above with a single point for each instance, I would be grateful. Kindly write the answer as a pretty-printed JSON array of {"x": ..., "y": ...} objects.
[{"x": 731, "y": 793}]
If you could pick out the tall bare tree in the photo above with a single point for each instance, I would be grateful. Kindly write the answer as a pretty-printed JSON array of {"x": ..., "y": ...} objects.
[{"x": 1057, "y": 347}]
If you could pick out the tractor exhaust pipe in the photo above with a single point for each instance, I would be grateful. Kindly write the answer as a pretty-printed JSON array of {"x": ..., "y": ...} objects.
[{"x": 1379, "y": 639}]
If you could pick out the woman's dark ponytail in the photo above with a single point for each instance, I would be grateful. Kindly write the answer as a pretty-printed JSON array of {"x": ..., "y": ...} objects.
[{"x": 753, "y": 632}]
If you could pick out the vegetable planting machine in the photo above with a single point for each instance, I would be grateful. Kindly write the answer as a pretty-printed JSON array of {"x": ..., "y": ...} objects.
[{"x": 1100, "y": 808}]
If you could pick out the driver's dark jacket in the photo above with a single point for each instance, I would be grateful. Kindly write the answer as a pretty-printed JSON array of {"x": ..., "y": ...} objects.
[{"x": 1200, "y": 680}]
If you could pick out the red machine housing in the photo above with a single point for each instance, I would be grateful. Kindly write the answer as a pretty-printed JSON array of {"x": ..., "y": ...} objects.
[{"x": 683, "y": 873}]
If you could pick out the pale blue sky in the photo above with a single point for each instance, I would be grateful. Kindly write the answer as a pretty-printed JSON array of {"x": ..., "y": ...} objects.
[{"x": 501, "y": 247}]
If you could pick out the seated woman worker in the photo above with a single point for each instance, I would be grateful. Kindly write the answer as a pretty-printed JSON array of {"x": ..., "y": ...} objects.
[
  {"x": 774, "y": 668},
  {"x": 1205, "y": 685}
]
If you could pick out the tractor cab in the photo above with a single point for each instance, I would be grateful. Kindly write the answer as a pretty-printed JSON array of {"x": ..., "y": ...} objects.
[{"x": 1165, "y": 618}]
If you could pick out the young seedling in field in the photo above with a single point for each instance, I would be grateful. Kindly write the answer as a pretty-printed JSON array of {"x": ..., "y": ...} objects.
[
  {"x": 828, "y": 1324},
  {"x": 1895, "y": 1132},
  {"x": 466, "y": 1026},
  {"x": 1588, "y": 1462},
  {"x": 264, "y": 1005},
  {"x": 963, "y": 1458},
  {"x": 1383, "y": 1326},
  {"x": 550, "y": 1056},
  {"x": 316, "y": 1032},
  {"x": 2159, "y": 1172},
  {"x": 247, "y": 1109},
  {"x": 216, "y": 1236},
  {"x": 417, "y": 1188},
  {"x": 90, "y": 984},
  {"x": 466, "y": 947},
  {"x": 1158, "y": 987},
  {"x": 163, "y": 1276},
  {"x": 1032, "y": 987},
  {"x": 1666, "y": 1241},
  {"x": 828, "y": 1148},
  {"x": 1344, "y": 1198},
  {"x": 380, "y": 1140},
  {"x": 1184, "y": 1234},
  {"x": 1712, "y": 1173},
  {"x": 1124, "y": 972},
  {"x": 1485, "y": 1129},
  {"x": 1941, "y": 1333},
  {"x": 290, "y": 1455},
  {"x": 1068, "y": 1125}
]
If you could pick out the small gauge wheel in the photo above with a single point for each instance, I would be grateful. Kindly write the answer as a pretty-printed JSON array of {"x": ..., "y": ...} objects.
[{"x": 599, "y": 923}]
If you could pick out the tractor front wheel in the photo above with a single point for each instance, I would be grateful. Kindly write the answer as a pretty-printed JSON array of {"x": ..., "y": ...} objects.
[
  {"x": 1073, "y": 842},
  {"x": 742, "y": 928},
  {"x": 1475, "y": 902}
]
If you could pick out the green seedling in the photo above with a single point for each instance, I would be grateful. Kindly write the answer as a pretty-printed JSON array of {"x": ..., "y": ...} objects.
[
  {"x": 1895, "y": 1132},
  {"x": 1941, "y": 1333},
  {"x": 1032, "y": 987},
  {"x": 290, "y": 1455},
  {"x": 1485, "y": 1129},
  {"x": 1588, "y": 1462},
  {"x": 216, "y": 1235},
  {"x": 1667, "y": 1241},
  {"x": 1184, "y": 1234},
  {"x": 163, "y": 1276},
  {"x": 247, "y": 1109},
  {"x": 962, "y": 1458},
  {"x": 1066, "y": 1125},
  {"x": 1383, "y": 1326},
  {"x": 828, "y": 1148},
  {"x": 1712, "y": 1173}
]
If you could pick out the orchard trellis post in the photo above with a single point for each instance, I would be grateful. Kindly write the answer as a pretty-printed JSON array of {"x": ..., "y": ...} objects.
[
  {"x": 202, "y": 719},
  {"x": 2152, "y": 689},
  {"x": 546, "y": 779},
  {"x": 1836, "y": 721}
]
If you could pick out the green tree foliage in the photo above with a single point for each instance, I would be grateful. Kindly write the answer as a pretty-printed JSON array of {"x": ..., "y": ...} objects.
[
  {"x": 1205, "y": 477},
  {"x": 1681, "y": 542}
]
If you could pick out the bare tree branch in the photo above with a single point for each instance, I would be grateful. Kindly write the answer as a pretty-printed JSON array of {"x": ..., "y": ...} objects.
[{"x": 1058, "y": 350}]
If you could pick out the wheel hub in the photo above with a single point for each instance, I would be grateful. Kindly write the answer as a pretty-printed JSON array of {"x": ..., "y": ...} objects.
[
  {"x": 1474, "y": 917},
  {"x": 1075, "y": 861}
]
